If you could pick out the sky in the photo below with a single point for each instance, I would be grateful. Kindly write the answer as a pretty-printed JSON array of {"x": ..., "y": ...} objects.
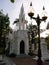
[{"x": 13, "y": 9}]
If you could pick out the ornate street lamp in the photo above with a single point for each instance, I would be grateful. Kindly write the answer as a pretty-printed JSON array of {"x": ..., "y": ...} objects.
[{"x": 38, "y": 21}]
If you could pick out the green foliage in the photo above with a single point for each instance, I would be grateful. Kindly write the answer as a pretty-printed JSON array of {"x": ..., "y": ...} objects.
[
  {"x": 12, "y": 55},
  {"x": 4, "y": 24},
  {"x": 47, "y": 26},
  {"x": 12, "y": 1},
  {"x": 17, "y": 20},
  {"x": 1, "y": 49},
  {"x": 32, "y": 32},
  {"x": 4, "y": 28},
  {"x": 30, "y": 53},
  {"x": 7, "y": 50},
  {"x": 47, "y": 41}
]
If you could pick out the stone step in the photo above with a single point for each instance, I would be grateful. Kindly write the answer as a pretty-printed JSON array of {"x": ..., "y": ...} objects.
[{"x": 23, "y": 55}]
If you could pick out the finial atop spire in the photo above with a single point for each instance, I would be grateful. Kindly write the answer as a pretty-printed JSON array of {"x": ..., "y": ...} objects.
[
  {"x": 43, "y": 8},
  {"x": 31, "y": 4},
  {"x": 22, "y": 4}
]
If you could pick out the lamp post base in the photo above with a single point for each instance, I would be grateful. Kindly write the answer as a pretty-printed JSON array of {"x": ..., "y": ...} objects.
[{"x": 39, "y": 62}]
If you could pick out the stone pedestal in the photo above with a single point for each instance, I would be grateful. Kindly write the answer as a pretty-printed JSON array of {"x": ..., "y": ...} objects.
[{"x": 44, "y": 51}]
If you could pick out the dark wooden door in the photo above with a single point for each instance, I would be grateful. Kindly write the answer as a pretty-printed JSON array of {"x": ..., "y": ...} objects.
[{"x": 22, "y": 47}]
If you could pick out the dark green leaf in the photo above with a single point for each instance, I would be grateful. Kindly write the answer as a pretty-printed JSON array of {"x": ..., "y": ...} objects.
[
  {"x": 12, "y": 1},
  {"x": 17, "y": 20}
]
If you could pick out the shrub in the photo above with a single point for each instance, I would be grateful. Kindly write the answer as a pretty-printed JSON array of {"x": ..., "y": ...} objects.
[
  {"x": 12, "y": 55},
  {"x": 30, "y": 53},
  {"x": 1, "y": 50}
]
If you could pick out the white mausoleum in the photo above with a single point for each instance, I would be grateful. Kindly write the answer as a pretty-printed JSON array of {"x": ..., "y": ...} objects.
[{"x": 20, "y": 44}]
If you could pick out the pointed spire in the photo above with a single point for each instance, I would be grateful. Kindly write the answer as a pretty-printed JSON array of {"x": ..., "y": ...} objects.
[
  {"x": 22, "y": 12},
  {"x": 22, "y": 5},
  {"x": 21, "y": 18},
  {"x": 22, "y": 8}
]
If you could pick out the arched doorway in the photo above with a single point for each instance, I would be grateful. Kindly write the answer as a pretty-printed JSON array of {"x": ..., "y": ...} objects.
[{"x": 22, "y": 47}]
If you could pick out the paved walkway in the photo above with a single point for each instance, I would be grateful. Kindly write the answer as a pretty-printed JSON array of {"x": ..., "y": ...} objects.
[
  {"x": 21, "y": 60},
  {"x": 26, "y": 61}
]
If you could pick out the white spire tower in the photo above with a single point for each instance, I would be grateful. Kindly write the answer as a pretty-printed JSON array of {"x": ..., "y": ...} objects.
[
  {"x": 21, "y": 44},
  {"x": 22, "y": 19}
]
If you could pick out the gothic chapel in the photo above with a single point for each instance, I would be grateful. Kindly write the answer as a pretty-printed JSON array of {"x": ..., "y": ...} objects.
[{"x": 20, "y": 44}]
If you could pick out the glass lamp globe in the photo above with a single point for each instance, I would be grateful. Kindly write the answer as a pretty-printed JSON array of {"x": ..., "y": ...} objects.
[
  {"x": 44, "y": 14},
  {"x": 31, "y": 11}
]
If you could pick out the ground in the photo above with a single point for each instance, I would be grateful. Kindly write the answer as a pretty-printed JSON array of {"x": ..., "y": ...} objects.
[
  {"x": 26, "y": 61},
  {"x": 19, "y": 60}
]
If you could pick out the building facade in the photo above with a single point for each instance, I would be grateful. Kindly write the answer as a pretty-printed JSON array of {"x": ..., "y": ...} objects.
[{"x": 20, "y": 44}]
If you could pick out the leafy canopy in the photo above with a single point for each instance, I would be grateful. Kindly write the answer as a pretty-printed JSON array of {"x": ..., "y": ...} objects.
[{"x": 4, "y": 27}]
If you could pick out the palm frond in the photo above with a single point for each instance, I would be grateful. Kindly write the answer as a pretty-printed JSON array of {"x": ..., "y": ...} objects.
[{"x": 17, "y": 20}]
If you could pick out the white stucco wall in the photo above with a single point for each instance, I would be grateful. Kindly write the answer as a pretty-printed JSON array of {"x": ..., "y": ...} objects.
[{"x": 18, "y": 37}]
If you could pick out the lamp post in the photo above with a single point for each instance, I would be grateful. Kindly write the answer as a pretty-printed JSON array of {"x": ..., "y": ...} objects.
[{"x": 38, "y": 21}]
